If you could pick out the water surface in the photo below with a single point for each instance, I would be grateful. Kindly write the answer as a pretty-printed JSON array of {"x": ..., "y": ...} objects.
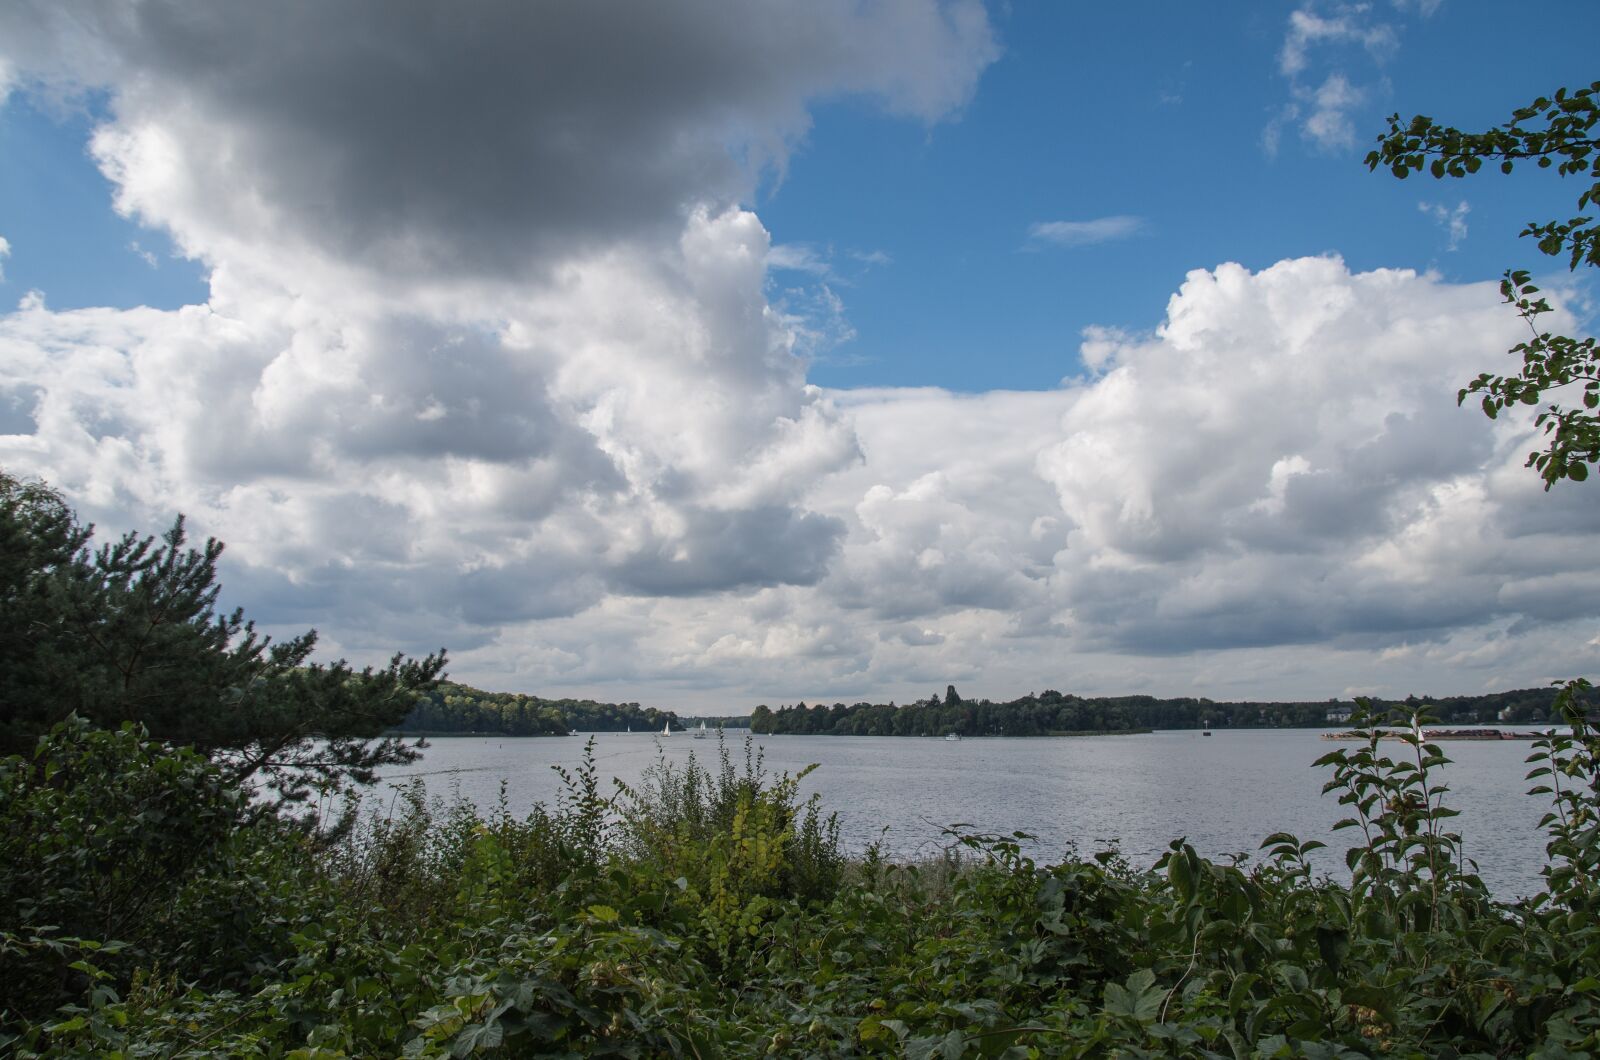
[{"x": 1224, "y": 793}]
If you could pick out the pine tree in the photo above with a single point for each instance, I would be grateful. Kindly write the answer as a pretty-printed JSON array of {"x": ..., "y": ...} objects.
[{"x": 129, "y": 632}]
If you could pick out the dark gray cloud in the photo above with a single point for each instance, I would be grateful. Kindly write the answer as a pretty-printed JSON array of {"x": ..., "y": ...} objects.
[
  {"x": 482, "y": 138},
  {"x": 912, "y": 636},
  {"x": 1270, "y": 600},
  {"x": 380, "y": 607},
  {"x": 723, "y": 550}
]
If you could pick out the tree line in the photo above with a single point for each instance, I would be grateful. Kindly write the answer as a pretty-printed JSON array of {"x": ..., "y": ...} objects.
[
  {"x": 455, "y": 708},
  {"x": 1052, "y": 713}
]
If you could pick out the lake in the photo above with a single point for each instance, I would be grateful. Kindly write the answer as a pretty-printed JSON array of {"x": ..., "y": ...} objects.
[{"x": 1224, "y": 793}]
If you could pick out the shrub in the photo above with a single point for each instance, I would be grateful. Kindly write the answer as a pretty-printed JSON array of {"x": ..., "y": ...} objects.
[{"x": 98, "y": 830}]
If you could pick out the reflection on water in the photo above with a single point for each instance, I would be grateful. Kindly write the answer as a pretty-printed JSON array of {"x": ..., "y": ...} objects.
[{"x": 1225, "y": 793}]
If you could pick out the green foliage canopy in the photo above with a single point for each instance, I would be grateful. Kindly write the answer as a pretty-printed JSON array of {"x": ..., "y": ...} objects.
[{"x": 1557, "y": 133}]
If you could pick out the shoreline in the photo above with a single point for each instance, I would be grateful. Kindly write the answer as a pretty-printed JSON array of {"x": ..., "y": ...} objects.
[{"x": 1439, "y": 735}]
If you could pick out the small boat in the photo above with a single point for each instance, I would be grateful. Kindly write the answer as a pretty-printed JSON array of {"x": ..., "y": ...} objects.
[
  {"x": 666, "y": 729},
  {"x": 1205, "y": 728},
  {"x": 700, "y": 733},
  {"x": 952, "y": 737}
]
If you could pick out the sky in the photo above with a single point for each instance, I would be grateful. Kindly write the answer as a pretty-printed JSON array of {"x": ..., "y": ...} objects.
[{"x": 707, "y": 355}]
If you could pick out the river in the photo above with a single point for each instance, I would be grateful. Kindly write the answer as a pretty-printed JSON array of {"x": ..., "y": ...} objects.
[{"x": 1224, "y": 793}]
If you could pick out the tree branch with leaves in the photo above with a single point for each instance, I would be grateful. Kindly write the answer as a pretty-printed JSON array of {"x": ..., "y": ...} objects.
[{"x": 1557, "y": 133}]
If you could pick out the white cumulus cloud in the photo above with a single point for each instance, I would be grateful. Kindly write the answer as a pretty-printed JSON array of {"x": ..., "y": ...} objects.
[{"x": 1272, "y": 493}]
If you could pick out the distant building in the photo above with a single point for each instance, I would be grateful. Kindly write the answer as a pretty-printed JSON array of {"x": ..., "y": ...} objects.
[
  {"x": 1506, "y": 713},
  {"x": 1339, "y": 715}
]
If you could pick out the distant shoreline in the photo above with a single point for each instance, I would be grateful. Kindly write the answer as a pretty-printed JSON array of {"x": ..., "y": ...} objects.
[
  {"x": 503, "y": 735},
  {"x": 982, "y": 736},
  {"x": 736, "y": 732},
  {"x": 1479, "y": 735},
  {"x": 407, "y": 734},
  {"x": 1071, "y": 733},
  {"x": 1329, "y": 732}
]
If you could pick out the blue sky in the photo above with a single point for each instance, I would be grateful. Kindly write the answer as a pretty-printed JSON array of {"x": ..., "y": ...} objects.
[
  {"x": 1090, "y": 114},
  {"x": 67, "y": 239},
  {"x": 825, "y": 350}
]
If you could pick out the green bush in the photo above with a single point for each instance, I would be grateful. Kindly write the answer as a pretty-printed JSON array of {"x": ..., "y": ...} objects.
[
  {"x": 737, "y": 833},
  {"x": 100, "y": 831}
]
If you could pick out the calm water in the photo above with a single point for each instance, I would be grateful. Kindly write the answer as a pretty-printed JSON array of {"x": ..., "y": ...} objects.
[{"x": 1224, "y": 793}]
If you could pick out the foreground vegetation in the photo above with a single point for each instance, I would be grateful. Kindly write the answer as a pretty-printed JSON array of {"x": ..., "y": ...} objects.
[{"x": 149, "y": 907}]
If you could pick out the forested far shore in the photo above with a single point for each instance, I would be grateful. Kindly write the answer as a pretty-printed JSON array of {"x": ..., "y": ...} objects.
[
  {"x": 457, "y": 709},
  {"x": 1052, "y": 713},
  {"x": 453, "y": 708}
]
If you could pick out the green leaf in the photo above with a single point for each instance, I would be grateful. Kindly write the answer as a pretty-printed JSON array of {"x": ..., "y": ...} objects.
[
  {"x": 1333, "y": 944},
  {"x": 1141, "y": 999},
  {"x": 1178, "y": 872},
  {"x": 1239, "y": 993}
]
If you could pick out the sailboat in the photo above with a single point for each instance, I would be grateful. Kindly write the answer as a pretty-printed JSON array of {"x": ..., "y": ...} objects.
[
  {"x": 666, "y": 729},
  {"x": 700, "y": 733},
  {"x": 1205, "y": 728}
]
